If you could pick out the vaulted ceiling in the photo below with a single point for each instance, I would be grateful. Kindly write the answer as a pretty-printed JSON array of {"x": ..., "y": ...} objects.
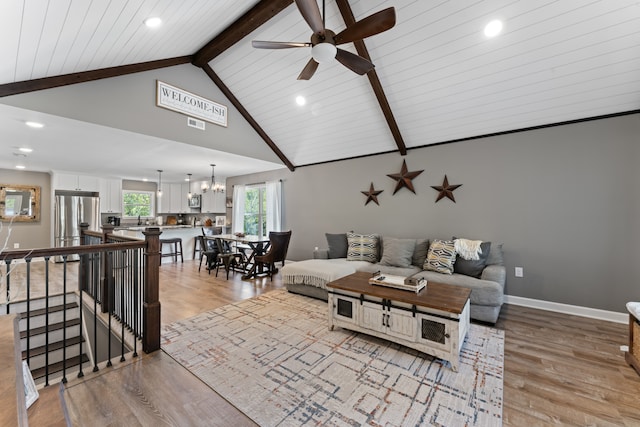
[{"x": 437, "y": 78}]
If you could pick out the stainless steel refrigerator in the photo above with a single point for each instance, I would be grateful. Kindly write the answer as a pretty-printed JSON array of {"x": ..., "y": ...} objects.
[{"x": 71, "y": 209}]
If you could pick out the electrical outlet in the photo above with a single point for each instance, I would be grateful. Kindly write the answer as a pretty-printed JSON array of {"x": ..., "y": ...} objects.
[
  {"x": 16, "y": 246},
  {"x": 519, "y": 272}
]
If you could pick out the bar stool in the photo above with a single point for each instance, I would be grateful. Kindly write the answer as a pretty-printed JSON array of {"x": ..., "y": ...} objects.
[
  {"x": 198, "y": 246},
  {"x": 176, "y": 242}
]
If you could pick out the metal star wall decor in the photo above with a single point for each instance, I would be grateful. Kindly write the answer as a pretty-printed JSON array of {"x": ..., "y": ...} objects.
[
  {"x": 372, "y": 195},
  {"x": 446, "y": 190},
  {"x": 404, "y": 178}
]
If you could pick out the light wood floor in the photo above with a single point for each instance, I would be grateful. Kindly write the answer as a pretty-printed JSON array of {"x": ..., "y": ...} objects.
[{"x": 559, "y": 369}]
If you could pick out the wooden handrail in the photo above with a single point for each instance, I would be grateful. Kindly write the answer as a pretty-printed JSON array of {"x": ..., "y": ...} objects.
[{"x": 68, "y": 250}]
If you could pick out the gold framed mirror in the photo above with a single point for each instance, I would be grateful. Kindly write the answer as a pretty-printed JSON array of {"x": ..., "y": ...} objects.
[{"x": 19, "y": 203}]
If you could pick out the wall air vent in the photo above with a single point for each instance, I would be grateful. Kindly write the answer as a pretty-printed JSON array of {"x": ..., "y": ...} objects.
[{"x": 195, "y": 123}]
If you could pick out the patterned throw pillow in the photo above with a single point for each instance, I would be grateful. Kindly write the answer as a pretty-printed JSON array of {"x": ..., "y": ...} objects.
[
  {"x": 362, "y": 247},
  {"x": 441, "y": 256}
]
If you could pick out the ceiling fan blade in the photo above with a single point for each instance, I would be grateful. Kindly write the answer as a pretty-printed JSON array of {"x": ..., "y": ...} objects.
[
  {"x": 311, "y": 13},
  {"x": 308, "y": 70},
  {"x": 369, "y": 26},
  {"x": 355, "y": 63},
  {"x": 277, "y": 45}
]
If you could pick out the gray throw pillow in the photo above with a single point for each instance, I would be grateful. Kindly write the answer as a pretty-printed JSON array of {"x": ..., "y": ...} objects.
[
  {"x": 397, "y": 252},
  {"x": 496, "y": 256},
  {"x": 420, "y": 252},
  {"x": 337, "y": 245},
  {"x": 470, "y": 267}
]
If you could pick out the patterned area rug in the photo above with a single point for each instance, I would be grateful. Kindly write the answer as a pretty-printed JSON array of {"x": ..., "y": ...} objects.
[{"x": 274, "y": 358}]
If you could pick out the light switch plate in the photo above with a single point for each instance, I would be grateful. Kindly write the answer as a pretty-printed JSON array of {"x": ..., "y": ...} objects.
[{"x": 519, "y": 272}]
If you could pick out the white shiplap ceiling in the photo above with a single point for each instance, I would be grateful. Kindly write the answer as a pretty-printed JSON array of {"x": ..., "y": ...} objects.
[{"x": 555, "y": 61}]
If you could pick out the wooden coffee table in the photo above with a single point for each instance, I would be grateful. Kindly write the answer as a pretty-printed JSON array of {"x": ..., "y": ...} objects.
[{"x": 434, "y": 321}]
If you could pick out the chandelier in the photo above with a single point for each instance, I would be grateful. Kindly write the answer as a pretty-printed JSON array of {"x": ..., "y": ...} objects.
[{"x": 214, "y": 186}]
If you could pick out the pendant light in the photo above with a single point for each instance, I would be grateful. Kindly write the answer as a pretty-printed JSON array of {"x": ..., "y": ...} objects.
[
  {"x": 216, "y": 188},
  {"x": 189, "y": 184},
  {"x": 159, "y": 182}
]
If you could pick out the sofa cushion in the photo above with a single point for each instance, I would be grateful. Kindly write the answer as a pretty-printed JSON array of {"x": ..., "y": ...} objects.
[
  {"x": 387, "y": 269},
  {"x": 483, "y": 292},
  {"x": 441, "y": 256},
  {"x": 397, "y": 252},
  {"x": 420, "y": 252},
  {"x": 337, "y": 245},
  {"x": 362, "y": 247},
  {"x": 470, "y": 267}
]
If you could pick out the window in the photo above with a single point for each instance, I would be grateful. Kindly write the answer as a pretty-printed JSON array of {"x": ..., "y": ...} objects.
[
  {"x": 255, "y": 208},
  {"x": 138, "y": 203}
]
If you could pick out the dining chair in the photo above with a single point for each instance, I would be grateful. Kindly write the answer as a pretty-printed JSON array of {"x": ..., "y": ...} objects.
[
  {"x": 277, "y": 251},
  {"x": 209, "y": 248},
  {"x": 209, "y": 251},
  {"x": 226, "y": 256}
]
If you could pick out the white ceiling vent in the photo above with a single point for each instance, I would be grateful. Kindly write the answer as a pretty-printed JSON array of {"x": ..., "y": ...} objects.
[{"x": 195, "y": 123}]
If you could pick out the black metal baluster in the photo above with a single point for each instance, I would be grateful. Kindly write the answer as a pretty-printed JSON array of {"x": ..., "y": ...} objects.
[
  {"x": 95, "y": 313},
  {"x": 122, "y": 280},
  {"x": 64, "y": 319},
  {"x": 46, "y": 321},
  {"x": 80, "y": 304},
  {"x": 135, "y": 302},
  {"x": 28, "y": 261},
  {"x": 109, "y": 283}
]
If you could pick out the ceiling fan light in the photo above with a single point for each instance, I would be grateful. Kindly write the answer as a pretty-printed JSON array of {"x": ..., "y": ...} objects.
[{"x": 323, "y": 52}]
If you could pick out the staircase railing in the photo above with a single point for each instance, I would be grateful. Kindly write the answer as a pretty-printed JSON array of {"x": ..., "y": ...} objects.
[{"x": 119, "y": 275}]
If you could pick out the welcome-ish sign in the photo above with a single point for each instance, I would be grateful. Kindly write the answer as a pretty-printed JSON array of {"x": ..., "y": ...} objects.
[{"x": 184, "y": 102}]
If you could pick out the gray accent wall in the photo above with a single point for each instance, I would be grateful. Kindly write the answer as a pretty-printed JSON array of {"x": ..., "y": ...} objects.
[
  {"x": 30, "y": 235},
  {"x": 564, "y": 201}
]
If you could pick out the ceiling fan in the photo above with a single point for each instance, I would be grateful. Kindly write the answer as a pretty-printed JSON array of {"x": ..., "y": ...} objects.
[{"x": 324, "y": 41}]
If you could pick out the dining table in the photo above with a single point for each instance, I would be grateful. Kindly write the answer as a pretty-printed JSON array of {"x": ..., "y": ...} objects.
[{"x": 258, "y": 245}]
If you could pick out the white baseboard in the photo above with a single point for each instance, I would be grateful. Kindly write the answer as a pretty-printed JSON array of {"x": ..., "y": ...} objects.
[{"x": 576, "y": 310}]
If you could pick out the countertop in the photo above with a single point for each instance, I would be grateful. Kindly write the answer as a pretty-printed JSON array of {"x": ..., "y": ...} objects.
[{"x": 161, "y": 227}]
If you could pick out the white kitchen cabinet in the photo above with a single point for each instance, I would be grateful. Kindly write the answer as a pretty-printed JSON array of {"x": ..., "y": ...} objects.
[
  {"x": 75, "y": 182},
  {"x": 174, "y": 199},
  {"x": 213, "y": 202},
  {"x": 111, "y": 195}
]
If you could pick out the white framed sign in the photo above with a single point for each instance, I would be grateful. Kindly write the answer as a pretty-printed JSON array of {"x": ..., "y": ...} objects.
[{"x": 176, "y": 99}]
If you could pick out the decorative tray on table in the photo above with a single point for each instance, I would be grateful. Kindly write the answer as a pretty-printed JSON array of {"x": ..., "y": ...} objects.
[{"x": 398, "y": 282}]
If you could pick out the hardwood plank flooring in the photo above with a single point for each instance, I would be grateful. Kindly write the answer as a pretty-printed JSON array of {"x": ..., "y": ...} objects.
[{"x": 559, "y": 369}]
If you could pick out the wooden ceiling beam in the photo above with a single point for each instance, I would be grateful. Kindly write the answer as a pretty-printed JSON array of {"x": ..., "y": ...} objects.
[
  {"x": 236, "y": 103},
  {"x": 349, "y": 19},
  {"x": 87, "y": 76},
  {"x": 243, "y": 26}
]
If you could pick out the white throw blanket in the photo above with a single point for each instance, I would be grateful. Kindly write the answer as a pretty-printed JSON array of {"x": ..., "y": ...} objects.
[
  {"x": 468, "y": 249},
  {"x": 634, "y": 309},
  {"x": 315, "y": 272}
]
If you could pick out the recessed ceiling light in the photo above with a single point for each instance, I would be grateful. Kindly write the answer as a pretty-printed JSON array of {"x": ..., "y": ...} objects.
[
  {"x": 25, "y": 149},
  {"x": 34, "y": 124},
  {"x": 20, "y": 166},
  {"x": 153, "y": 22},
  {"x": 493, "y": 28},
  {"x": 300, "y": 100}
]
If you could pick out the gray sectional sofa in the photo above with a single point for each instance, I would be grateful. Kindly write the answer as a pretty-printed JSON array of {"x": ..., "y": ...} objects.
[{"x": 485, "y": 277}]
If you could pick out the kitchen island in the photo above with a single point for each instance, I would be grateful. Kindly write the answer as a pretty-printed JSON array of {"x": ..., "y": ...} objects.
[{"x": 186, "y": 232}]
